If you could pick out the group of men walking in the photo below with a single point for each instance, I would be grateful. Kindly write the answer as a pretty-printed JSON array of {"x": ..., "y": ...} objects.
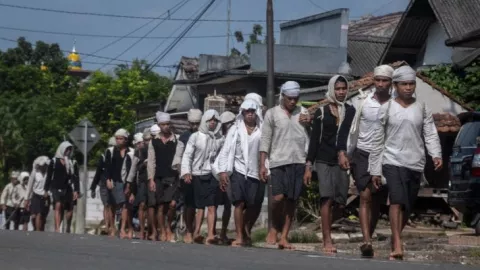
[{"x": 228, "y": 159}]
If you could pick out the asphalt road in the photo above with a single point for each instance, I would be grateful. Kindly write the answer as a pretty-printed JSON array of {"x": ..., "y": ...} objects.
[{"x": 32, "y": 250}]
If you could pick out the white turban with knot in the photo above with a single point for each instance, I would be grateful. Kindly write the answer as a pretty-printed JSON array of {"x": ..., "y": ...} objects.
[
  {"x": 155, "y": 129},
  {"x": 122, "y": 133},
  {"x": 383, "y": 70},
  {"x": 227, "y": 117},
  {"x": 23, "y": 175},
  {"x": 255, "y": 97},
  {"x": 162, "y": 117},
  {"x": 194, "y": 116},
  {"x": 147, "y": 135},
  {"x": 290, "y": 89},
  {"x": 112, "y": 141},
  {"x": 404, "y": 74},
  {"x": 14, "y": 174},
  {"x": 137, "y": 138}
]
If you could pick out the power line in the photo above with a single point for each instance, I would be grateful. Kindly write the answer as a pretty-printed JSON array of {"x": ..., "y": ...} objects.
[
  {"x": 126, "y": 16},
  {"x": 177, "y": 8},
  {"x": 317, "y": 5},
  {"x": 176, "y": 41}
]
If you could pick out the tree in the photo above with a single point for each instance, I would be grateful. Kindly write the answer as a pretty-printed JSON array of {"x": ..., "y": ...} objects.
[{"x": 256, "y": 37}]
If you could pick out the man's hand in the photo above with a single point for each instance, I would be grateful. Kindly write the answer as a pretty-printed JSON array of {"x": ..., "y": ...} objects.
[
  {"x": 188, "y": 178},
  {"x": 109, "y": 184},
  {"x": 307, "y": 177},
  {"x": 45, "y": 195},
  {"x": 377, "y": 181},
  {"x": 127, "y": 190},
  {"x": 438, "y": 163},
  {"x": 26, "y": 204},
  {"x": 304, "y": 118},
  {"x": 4, "y": 207},
  {"x": 75, "y": 196},
  {"x": 131, "y": 199},
  {"x": 343, "y": 160},
  {"x": 93, "y": 193},
  {"x": 152, "y": 186},
  {"x": 263, "y": 173},
  {"x": 224, "y": 181}
]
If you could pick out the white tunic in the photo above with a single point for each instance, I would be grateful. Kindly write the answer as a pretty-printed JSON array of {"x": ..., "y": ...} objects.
[
  {"x": 367, "y": 123},
  {"x": 253, "y": 144},
  {"x": 401, "y": 144},
  {"x": 36, "y": 184}
]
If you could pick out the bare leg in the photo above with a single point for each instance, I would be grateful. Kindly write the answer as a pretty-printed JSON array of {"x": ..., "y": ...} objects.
[
  {"x": 396, "y": 222},
  {"x": 161, "y": 222},
  {"x": 189, "y": 216},
  {"x": 278, "y": 207},
  {"x": 113, "y": 228},
  {"x": 123, "y": 224},
  {"x": 326, "y": 214},
  {"x": 68, "y": 220},
  {"x": 170, "y": 208},
  {"x": 106, "y": 217},
  {"x": 58, "y": 216},
  {"x": 152, "y": 221},
  {"x": 227, "y": 213},
  {"x": 198, "y": 224},
  {"x": 211, "y": 214},
  {"x": 239, "y": 223},
  {"x": 129, "y": 222},
  {"x": 289, "y": 212},
  {"x": 141, "y": 220}
]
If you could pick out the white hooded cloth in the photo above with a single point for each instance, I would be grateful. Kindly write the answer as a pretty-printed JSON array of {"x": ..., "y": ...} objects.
[
  {"x": 60, "y": 154},
  {"x": 194, "y": 115},
  {"x": 36, "y": 181}
]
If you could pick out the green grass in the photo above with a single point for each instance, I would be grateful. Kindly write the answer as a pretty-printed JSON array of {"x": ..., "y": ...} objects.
[
  {"x": 259, "y": 235},
  {"x": 475, "y": 253}
]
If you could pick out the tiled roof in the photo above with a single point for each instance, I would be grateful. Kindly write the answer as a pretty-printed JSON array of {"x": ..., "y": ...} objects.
[{"x": 380, "y": 26}]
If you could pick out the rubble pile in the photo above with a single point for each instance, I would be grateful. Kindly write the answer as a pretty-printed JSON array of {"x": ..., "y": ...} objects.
[{"x": 446, "y": 122}]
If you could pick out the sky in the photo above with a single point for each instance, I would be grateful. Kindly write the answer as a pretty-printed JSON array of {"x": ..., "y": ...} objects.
[{"x": 150, "y": 49}]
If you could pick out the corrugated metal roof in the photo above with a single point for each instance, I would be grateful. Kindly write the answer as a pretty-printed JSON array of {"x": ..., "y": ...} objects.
[
  {"x": 364, "y": 53},
  {"x": 382, "y": 26},
  {"x": 458, "y": 17}
]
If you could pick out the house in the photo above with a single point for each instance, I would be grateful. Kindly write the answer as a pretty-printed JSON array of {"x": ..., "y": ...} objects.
[{"x": 425, "y": 29}]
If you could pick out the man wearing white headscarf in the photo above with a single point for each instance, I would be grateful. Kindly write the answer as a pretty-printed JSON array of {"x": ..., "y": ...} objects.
[
  {"x": 404, "y": 128},
  {"x": 100, "y": 180},
  {"x": 284, "y": 141},
  {"x": 6, "y": 199},
  {"x": 200, "y": 153},
  {"x": 329, "y": 136},
  {"x": 155, "y": 130},
  {"x": 238, "y": 168},
  {"x": 361, "y": 134},
  {"x": 37, "y": 199},
  {"x": 59, "y": 177},
  {"x": 19, "y": 198},
  {"x": 120, "y": 169},
  {"x": 163, "y": 165}
]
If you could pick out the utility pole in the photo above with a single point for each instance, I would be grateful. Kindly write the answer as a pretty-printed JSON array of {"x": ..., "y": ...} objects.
[
  {"x": 229, "y": 11},
  {"x": 270, "y": 87}
]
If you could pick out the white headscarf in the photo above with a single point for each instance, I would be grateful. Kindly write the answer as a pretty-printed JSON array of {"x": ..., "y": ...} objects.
[
  {"x": 137, "y": 138},
  {"x": 155, "y": 130},
  {"x": 112, "y": 141},
  {"x": 162, "y": 117},
  {"x": 14, "y": 174},
  {"x": 255, "y": 97},
  {"x": 383, "y": 70},
  {"x": 147, "y": 135},
  {"x": 22, "y": 176},
  {"x": 227, "y": 117},
  {"x": 333, "y": 99},
  {"x": 194, "y": 115},
  {"x": 404, "y": 74},
  {"x": 41, "y": 161},
  {"x": 61, "y": 154},
  {"x": 122, "y": 133},
  {"x": 290, "y": 89},
  {"x": 208, "y": 115}
]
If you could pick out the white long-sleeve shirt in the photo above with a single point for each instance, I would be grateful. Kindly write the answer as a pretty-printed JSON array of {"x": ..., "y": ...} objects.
[
  {"x": 399, "y": 141},
  {"x": 36, "y": 184},
  {"x": 200, "y": 153},
  {"x": 19, "y": 195},
  {"x": 366, "y": 127},
  {"x": 6, "y": 198},
  {"x": 240, "y": 152}
]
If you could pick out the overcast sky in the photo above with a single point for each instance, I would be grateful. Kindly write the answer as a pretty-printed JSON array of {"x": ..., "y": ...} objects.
[{"x": 81, "y": 24}]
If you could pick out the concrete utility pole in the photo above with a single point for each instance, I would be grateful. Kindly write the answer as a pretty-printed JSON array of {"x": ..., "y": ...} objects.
[
  {"x": 270, "y": 86},
  {"x": 229, "y": 11}
]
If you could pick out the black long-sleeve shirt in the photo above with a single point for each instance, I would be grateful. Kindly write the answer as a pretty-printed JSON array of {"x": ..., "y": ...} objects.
[
  {"x": 327, "y": 150},
  {"x": 59, "y": 178},
  {"x": 99, "y": 173}
]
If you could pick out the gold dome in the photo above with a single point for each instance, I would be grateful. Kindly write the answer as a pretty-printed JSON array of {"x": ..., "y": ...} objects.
[
  {"x": 74, "y": 61},
  {"x": 43, "y": 67}
]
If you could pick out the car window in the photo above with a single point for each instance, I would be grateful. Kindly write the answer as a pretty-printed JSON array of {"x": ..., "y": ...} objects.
[{"x": 468, "y": 134}]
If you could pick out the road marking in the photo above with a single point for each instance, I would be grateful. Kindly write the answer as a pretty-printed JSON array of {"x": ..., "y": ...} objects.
[{"x": 361, "y": 259}]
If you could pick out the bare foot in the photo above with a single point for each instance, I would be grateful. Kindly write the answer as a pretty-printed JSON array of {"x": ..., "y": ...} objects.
[
  {"x": 329, "y": 248},
  {"x": 112, "y": 233},
  {"x": 367, "y": 250},
  {"x": 271, "y": 238},
  {"x": 238, "y": 243},
  {"x": 123, "y": 235},
  {"x": 396, "y": 256},
  {"x": 188, "y": 238},
  {"x": 284, "y": 244},
  {"x": 211, "y": 241},
  {"x": 130, "y": 234},
  {"x": 198, "y": 239},
  {"x": 169, "y": 236},
  {"x": 152, "y": 237},
  {"x": 141, "y": 235},
  {"x": 163, "y": 236}
]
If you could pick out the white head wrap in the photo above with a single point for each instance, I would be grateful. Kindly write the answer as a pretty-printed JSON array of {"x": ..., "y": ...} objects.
[
  {"x": 255, "y": 97},
  {"x": 41, "y": 161},
  {"x": 227, "y": 117},
  {"x": 147, "y": 135},
  {"x": 162, "y": 117},
  {"x": 138, "y": 137},
  {"x": 383, "y": 70},
  {"x": 207, "y": 116},
  {"x": 61, "y": 153},
  {"x": 155, "y": 129},
  {"x": 194, "y": 115},
  {"x": 290, "y": 89},
  {"x": 112, "y": 141},
  {"x": 23, "y": 175},
  {"x": 404, "y": 74},
  {"x": 14, "y": 174},
  {"x": 122, "y": 133},
  {"x": 333, "y": 99}
]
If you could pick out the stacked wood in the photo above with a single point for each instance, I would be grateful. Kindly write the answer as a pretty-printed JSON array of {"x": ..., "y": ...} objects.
[{"x": 446, "y": 122}]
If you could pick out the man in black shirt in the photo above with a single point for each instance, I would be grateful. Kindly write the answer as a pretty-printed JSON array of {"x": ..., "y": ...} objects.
[
  {"x": 164, "y": 157},
  {"x": 331, "y": 126}
]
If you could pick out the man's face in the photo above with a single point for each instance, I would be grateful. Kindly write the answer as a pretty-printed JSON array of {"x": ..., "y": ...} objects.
[
  {"x": 120, "y": 140},
  {"x": 146, "y": 142},
  {"x": 14, "y": 180},
  {"x": 212, "y": 124},
  {"x": 250, "y": 116},
  {"x": 43, "y": 168},
  {"x": 289, "y": 102},
  {"x": 406, "y": 90},
  {"x": 139, "y": 145},
  {"x": 194, "y": 126},
  {"x": 340, "y": 91},
  {"x": 382, "y": 83},
  {"x": 25, "y": 181},
  {"x": 165, "y": 127},
  {"x": 67, "y": 152}
]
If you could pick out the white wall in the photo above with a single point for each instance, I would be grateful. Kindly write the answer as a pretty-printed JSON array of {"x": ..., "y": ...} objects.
[{"x": 436, "y": 52}]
